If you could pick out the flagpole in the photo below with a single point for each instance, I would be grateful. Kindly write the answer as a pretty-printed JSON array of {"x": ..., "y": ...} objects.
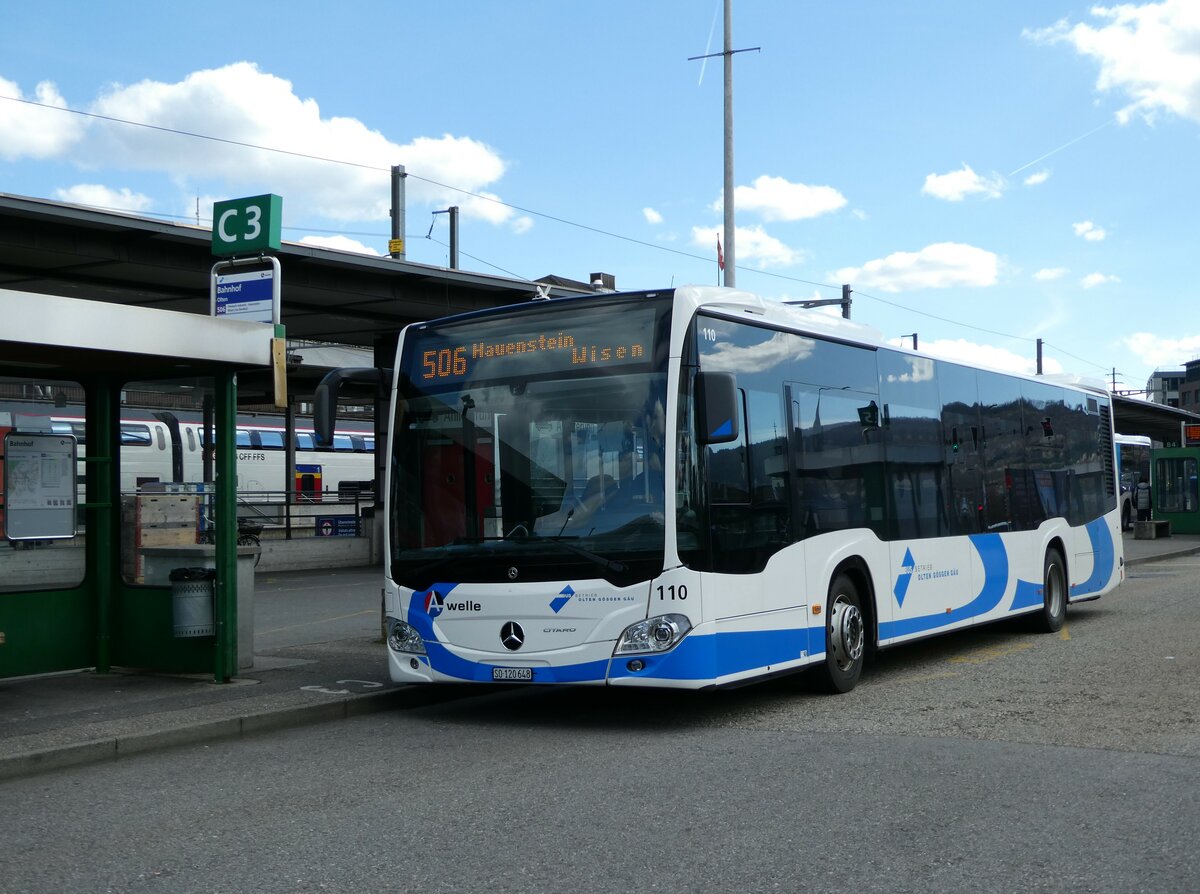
[
  {"x": 731, "y": 273},
  {"x": 730, "y": 269}
]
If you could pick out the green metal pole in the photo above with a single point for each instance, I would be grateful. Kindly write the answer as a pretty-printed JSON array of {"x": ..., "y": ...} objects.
[
  {"x": 225, "y": 596},
  {"x": 103, "y": 518}
]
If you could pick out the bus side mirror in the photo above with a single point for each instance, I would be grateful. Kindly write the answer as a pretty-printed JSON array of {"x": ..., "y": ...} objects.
[
  {"x": 716, "y": 408},
  {"x": 326, "y": 397}
]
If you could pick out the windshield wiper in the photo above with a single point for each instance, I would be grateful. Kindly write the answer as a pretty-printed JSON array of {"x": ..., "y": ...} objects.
[{"x": 608, "y": 564}]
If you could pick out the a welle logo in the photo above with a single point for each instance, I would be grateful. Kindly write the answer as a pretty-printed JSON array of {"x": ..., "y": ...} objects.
[{"x": 436, "y": 604}]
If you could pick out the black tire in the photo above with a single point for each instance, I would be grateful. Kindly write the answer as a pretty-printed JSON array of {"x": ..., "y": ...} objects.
[
  {"x": 1054, "y": 594},
  {"x": 845, "y": 637},
  {"x": 251, "y": 540},
  {"x": 1126, "y": 517}
]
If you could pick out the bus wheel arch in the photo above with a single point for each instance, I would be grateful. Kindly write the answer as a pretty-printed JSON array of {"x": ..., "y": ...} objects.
[{"x": 849, "y": 627}]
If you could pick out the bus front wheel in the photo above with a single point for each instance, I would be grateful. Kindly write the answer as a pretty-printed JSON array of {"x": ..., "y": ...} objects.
[{"x": 845, "y": 636}]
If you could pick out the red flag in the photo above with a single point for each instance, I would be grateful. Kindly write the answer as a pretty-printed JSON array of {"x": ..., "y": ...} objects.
[{"x": 720, "y": 254}]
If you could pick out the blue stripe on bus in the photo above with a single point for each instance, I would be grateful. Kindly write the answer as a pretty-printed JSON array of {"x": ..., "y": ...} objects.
[
  {"x": 708, "y": 657},
  {"x": 1104, "y": 558},
  {"x": 1029, "y": 593},
  {"x": 446, "y": 662},
  {"x": 722, "y": 654},
  {"x": 698, "y": 657}
]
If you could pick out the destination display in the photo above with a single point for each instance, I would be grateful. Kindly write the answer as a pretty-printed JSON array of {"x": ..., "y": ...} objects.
[{"x": 512, "y": 348}]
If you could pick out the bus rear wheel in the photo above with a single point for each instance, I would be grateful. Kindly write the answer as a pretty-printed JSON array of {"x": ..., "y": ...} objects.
[
  {"x": 845, "y": 637},
  {"x": 1054, "y": 594}
]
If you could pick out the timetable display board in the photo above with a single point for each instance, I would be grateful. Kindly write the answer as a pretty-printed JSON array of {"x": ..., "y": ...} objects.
[{"x": 40, "y": 497}]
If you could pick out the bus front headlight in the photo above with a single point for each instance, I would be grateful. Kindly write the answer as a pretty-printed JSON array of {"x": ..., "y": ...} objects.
[
  {"x": 404, "y": 638},
  {"x": 657, "y": 634}
]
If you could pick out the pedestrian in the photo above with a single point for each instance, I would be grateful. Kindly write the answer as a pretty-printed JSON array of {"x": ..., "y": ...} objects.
[{"x": 1141, "y": 500}]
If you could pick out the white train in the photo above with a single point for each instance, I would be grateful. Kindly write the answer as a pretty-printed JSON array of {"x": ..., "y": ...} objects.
[{"x": 160, "y": 446}]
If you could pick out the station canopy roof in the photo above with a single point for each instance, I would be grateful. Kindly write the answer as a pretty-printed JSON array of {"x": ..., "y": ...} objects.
[
  {"x": 1142, "y": 417},
  {"x": 327, "y": 295}
]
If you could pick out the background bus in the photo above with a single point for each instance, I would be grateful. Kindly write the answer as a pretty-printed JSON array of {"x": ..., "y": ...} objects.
[
  {"x": 1133, "y": 466},
  {"x": 695, "y": 488}
]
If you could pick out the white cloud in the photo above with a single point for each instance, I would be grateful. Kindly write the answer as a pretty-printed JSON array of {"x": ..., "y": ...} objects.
[
  {"x": 341, "y": 243},
  {"x": 987, "y": 355},
  {"x": 652, "y": 216},
  {"x": 1037, "y": 179},
  {"x": 97, "y": 196},
  {"x": 754, "y": 247},
  {"x": 1158, "y": 352},
  {"x": 1089, "y": 231},
  {"x": 957, "y": 185},
  {"x": 777, "y": 199},
  {"x": 242, "y": 105},
  {"x": 1097, "y": 279},
  {"x": 943, "y": 265},
  {"x": 1048, "y": 274},
  {"x": 33, "y": 132},
  {"x": 1147, "y": 52}
]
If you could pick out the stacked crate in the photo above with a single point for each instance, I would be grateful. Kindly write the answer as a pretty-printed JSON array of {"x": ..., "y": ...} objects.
[{"x": 156, "y": 520}]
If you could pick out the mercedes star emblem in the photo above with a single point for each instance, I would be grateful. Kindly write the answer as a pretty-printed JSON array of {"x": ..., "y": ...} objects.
[{"x": 512, "y": 636}]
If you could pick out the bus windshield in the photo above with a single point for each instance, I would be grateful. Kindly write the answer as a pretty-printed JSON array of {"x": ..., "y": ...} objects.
[{"x": 519, "y": 456}]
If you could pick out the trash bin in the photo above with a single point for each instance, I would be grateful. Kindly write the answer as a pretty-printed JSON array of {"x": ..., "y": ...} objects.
[{"x": 192, "y": 601}]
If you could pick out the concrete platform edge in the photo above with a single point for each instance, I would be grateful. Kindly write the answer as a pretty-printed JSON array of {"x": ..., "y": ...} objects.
[{"x": 112, "y": 748}]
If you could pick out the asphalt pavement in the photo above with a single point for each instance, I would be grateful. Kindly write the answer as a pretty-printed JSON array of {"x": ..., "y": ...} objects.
[{"x": 318, "y": 656}]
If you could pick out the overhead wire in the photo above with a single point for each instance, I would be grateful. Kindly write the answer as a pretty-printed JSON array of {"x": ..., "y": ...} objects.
[{"x": 518, "y": 208}]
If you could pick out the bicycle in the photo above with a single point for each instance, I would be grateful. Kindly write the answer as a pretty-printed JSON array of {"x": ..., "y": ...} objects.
[{"x": 247, "y": 535}]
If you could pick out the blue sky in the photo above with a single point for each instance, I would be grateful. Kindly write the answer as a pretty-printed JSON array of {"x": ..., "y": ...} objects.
[{"x": 981, "y": 173}]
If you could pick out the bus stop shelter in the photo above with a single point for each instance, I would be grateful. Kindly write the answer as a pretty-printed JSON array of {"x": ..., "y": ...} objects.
[{"x": 111, "y": 614}]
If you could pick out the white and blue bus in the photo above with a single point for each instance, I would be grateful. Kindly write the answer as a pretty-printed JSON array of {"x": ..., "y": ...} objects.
[
  {"x": 1133, "y": 466},
  {"x": 695, "y": 488}
]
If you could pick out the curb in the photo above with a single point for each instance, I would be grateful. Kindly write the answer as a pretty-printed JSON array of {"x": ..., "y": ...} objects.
[
  {"x": 111, "y": 748},
  {"x": 1175, "y": 554}
]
